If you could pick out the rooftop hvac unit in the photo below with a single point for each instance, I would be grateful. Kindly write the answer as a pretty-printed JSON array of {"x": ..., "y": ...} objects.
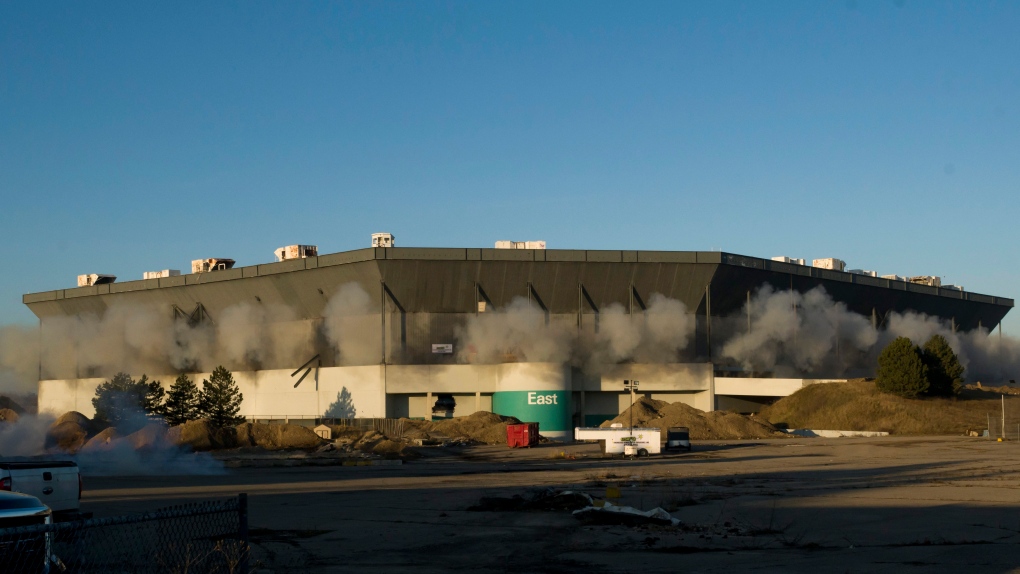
[
  {"x": 520, "y": 245},
  {"x": 953, "y": 287},
  {"x": 95, "y": 279},
  {"x": 929, "y": 280},
  {"x": 161, "y": 274},
  {"x": 894, "y": 277},
  {"x": 296, "y": 252},
  {"x": 212, "y": 264},
  {"x": 383, "y": 240},
  {"x": 864, "y": 272},
  {"x": 829, "y": 263},
  {"x": 784, "y": 259}
]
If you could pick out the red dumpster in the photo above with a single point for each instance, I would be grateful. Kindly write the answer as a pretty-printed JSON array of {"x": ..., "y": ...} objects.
[{"x": 521, "y": 435}]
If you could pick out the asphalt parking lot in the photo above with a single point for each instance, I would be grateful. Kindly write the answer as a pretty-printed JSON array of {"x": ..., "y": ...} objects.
[{"x": 890, "y": 504}]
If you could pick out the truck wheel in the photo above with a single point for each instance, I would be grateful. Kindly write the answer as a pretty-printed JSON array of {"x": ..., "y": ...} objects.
[{"x": 642, "y": 452}]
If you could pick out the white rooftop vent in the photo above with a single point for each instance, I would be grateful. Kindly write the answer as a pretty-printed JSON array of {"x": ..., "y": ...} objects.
[
  {"x": 784, "y": 259},
  {"x": 929, "y": 280},
  {"x": 953, "y": 287},
  {"x": 863, "y": 272},
  {"x": 161, "y": 274},
  {"x": 383, "y": 240},
  {"x": 296, "y": 252},
  {"x": 520, "y": 245},
  {"x": 212, "y": 264},
  {"x": 829, "y": 263},
  {"x": 95, "y": 279}
]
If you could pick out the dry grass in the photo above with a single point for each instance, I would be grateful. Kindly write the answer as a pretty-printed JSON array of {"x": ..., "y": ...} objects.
[{"x": 858, "y": 405}]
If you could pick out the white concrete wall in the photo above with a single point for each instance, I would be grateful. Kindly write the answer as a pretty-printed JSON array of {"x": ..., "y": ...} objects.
[
  {"x": 267, "y": 394},
  {"x": 654, "y": 377},
  {"x": 764, "y": 387}
]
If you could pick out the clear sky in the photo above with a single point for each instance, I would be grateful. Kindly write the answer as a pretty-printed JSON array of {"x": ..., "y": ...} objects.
[{"x": 138, "y": 136}]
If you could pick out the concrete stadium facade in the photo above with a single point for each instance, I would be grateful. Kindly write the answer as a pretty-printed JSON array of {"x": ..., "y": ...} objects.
[{"x": 420, "y": 297}]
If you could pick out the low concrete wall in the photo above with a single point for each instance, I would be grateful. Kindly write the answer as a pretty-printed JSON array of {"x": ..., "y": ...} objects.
[{"x": 376, "y": 391}]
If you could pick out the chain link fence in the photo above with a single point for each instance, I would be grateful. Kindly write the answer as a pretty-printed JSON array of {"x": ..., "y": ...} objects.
[
  {"x": 199, "y": 538},
  {"x": 1006, "y": 430}
]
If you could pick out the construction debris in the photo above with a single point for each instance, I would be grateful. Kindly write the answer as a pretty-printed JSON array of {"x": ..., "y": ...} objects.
[{"x": 609, "y": 513}]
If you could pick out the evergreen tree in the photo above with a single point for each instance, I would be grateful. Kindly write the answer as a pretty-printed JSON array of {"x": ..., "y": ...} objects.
[
  {"x": 945, "y": 373},
  {"x": 221, "y": 399},
  {"x": 901, "y": 369},
  {"x": 125, "y": 403},
  {"x": 183, "y": 402},
  {"x": 153, "y": 402}
]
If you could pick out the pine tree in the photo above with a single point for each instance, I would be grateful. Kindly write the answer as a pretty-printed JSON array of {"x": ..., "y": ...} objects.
[
  {"x": 901, "y": 369},
  {"x": 221, "y": 399},
  {"x": 945, "y": 373},
  {"x": 183, "y": 402},
  {"x": 125, "y": 403},
  {"x": 153, "y": 403}
]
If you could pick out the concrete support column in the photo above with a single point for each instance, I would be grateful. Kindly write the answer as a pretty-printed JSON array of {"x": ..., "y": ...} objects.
[
  {"x": 478, "y": 401},
  {"x": 429, "y": 403}
]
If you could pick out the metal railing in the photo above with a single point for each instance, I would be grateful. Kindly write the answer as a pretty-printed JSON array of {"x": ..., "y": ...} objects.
[
  {"x": 392, "y": 428},
  {"x": 199, "y": 538}
]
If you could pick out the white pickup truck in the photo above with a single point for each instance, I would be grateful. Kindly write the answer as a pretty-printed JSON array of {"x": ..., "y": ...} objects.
[{"x": 56, "y": 483}]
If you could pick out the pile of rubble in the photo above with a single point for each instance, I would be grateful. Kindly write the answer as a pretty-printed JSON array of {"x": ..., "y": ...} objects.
[{"x": 715, "y": 425}]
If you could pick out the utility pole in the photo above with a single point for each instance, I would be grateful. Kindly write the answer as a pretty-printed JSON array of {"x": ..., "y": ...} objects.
[
  {"x": 1003, "y": 417},
  {"x": 631, "y": 386}
]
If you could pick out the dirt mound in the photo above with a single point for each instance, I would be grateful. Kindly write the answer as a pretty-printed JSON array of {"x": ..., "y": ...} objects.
[
  {"x": 70, "y": 432},
  {"x": 859, "y": 405},
  {"x": 716, "y": 425},
  {"x": 275, "y": 437},
  {"x": 152, "y": 435},
  {"x": 201, "y": 435},
  {"x": 102, "y": 441},
  {"x": 7, "y": 403},
  {"x": 8, "y": 416},
  {"x": 481, "y": 426}
]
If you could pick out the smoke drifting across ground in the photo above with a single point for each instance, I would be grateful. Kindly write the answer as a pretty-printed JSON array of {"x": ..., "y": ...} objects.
[
  {"x": 795, "y": 334},
  {"x": 122, "y": 456}
]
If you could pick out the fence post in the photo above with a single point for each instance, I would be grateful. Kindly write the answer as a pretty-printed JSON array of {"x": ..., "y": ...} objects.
[{"x": 242, "y": 531}]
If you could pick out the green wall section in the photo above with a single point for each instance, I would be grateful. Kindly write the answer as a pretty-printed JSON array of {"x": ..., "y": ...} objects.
[{"x": 550, "y": 409}]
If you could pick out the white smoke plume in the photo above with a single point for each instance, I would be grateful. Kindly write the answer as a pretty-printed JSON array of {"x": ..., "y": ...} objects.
[
  {"x": 351, "y": 325},
  {"x": 809, "y": 334},
  {"x": 805, "y": 333},
  {"x": 656, "y": 335},
  {"x": 517, "y": 333},
  {"x": 257, "y": 335},
  {"x": 19, "y": 360},
  {"x": 521, "y": 332}
]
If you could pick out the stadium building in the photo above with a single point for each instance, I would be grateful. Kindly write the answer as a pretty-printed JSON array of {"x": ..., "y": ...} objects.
[{"x": 408, "y": 327}]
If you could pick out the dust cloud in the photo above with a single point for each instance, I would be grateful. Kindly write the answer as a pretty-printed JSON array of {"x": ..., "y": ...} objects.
[
  {"x": 798, "y": 334},
  {"x": 523, "y": 332}
]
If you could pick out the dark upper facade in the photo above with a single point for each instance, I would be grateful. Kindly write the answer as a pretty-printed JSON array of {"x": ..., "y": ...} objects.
[{"x": 427, "y": 291}]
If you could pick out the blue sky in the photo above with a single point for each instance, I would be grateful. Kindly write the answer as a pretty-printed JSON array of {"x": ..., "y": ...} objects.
[{"x": 138, "y": 136}]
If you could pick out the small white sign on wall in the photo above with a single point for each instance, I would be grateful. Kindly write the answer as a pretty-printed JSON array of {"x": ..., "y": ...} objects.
[{"x": 442, "y": 348}]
